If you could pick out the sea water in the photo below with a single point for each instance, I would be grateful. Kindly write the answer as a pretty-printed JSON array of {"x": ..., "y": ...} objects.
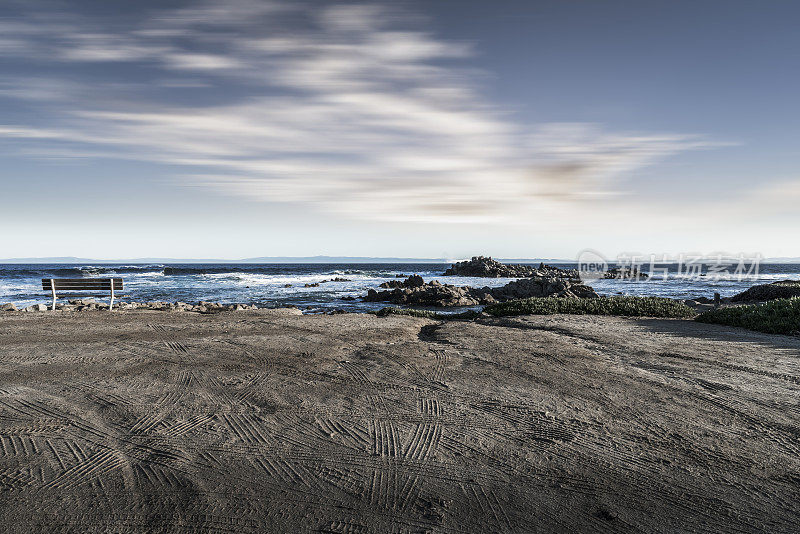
[{"x": 274, "y": 285}]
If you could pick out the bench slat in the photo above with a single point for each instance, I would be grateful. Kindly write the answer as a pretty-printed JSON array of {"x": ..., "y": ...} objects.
[
  {"x": 104, "y": 284},
  {"x": 107, "y": 283},
  {"x": 83, "y": 284}
]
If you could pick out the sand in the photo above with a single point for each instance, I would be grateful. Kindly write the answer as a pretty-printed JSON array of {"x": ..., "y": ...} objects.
[{"x": 264, "y": 421}]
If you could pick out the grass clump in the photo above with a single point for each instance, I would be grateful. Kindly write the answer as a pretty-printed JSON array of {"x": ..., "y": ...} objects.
[
  {"x": 426, "y": 314},
  {"x": 625, "y": 306},
  {"x": 780, "y": 316}
]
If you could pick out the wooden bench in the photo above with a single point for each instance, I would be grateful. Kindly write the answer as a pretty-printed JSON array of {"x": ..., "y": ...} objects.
[{"x": 82, "y": 284}]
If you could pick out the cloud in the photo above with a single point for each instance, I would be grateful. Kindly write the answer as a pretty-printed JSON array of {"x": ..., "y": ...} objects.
[{"x": 351, "y": 109}]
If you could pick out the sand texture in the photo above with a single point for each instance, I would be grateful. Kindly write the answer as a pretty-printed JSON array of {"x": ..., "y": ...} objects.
[{"x": 262, "y": 421}]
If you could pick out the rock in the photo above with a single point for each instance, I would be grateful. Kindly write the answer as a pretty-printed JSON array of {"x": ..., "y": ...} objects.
[
  {"x": 414, "y": 280},
  {"x": 8, "y": 307},
  {"x": 36, "y": 308},
  {"x": 625, "y": 273},
  {"x": 444, "y": 295},
  {"x": 782, "y": 289},
  {"x": 348, "y": 297},
  {"x": 287, "y": 285},
  {"x": 82, "y": 302},
  {"x": 542, "y": 287},
  {"x": 484, "y": 267},
  {"x": 315, "y": 284}
]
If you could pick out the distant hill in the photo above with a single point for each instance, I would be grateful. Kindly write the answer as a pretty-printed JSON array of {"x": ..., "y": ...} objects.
[
  {"x": 304, "y": 259},
  {"x": 265, "y": 259}
]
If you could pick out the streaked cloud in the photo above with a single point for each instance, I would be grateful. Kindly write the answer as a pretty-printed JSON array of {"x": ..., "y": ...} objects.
[{"x": 354, "y": 109}]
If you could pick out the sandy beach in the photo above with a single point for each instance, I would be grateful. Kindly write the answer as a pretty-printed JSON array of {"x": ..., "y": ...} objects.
[{"x": 271, "y": 421}]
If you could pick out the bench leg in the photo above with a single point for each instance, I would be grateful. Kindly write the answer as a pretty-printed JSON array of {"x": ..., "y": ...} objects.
[
  {"x": 111, "y": 304},
  {"x": 53, "y": 289}
]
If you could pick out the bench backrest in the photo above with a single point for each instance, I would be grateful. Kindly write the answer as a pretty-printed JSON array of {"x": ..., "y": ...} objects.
[{"x": 82, "y": 284}]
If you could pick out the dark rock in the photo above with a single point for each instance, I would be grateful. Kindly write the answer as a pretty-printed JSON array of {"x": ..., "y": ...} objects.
[
  {"x": 483, "y": 267},
  {"x": 287, "y": 285},
  {"x": 315, "y": 284},
  {"x": 542, "y": 287},
  {"x": 444, "y": 295},
  {"x": 82, "y": 302},
  {"x": 414, "y": 280},
  {"x": 625, "y": 273},
  {"x": 782, "y": 289}
]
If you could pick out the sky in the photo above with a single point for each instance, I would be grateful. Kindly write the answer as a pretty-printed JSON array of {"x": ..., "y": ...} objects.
[{"x": 438, "y": 129}]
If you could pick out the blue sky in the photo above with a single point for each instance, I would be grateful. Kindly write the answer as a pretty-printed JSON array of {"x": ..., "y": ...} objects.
[{"x": 429, "y": 129}]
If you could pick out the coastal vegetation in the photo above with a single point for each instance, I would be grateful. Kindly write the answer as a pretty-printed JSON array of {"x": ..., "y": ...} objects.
[
  {"x": 781, "y": 316},
  {"x": 624, "y": 306}
]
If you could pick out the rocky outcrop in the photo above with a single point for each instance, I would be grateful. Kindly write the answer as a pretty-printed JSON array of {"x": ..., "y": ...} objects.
[
  {"x": 542, "y": 287},
  {"x": 431, "y": 294},
  {"x": 625, "y": 273},
  {"x": 483, "y": 267},
  {"x": 414, "y": 280},
  {"x": 436, "y": 294},
  {"x": 783, "y": 289}
]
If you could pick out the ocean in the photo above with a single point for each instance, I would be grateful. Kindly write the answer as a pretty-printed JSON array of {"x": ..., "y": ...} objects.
[{"x": 274, "y": 285}]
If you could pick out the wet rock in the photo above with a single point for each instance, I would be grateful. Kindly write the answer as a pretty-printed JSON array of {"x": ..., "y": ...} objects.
[{"x": 315, "y": 284}]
